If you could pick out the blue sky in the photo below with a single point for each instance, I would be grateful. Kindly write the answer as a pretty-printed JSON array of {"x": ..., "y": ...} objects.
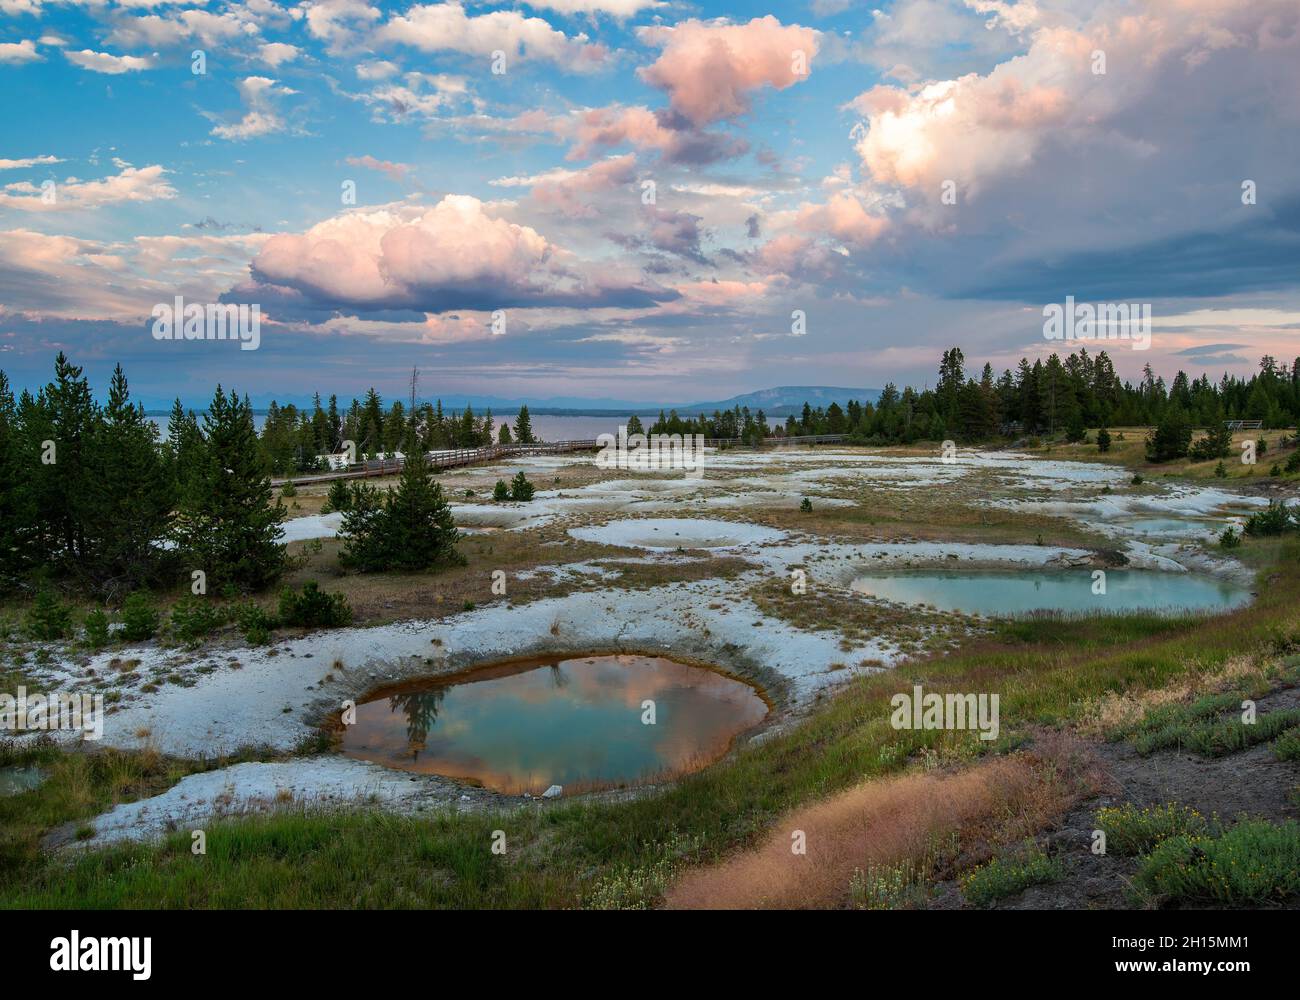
[{"x": 799, "y": 153}]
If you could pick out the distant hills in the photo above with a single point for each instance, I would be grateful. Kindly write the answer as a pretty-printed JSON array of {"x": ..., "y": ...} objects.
[
  {"x": 777, "y": 402},
  {"x": 786, "y": 399}
]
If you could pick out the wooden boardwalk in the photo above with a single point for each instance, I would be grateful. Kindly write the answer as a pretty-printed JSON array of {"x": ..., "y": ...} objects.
[{"x": 453, "y": 458}]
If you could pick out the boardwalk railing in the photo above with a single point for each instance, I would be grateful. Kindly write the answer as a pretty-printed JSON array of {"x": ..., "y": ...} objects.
[
  {"x": 1244, "y": 425},
  {"x": 451, "y": 458},
  {"x": 439, "y": 461}
]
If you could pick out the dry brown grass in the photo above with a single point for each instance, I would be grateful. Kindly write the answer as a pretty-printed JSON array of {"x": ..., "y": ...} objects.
[
  {"x": 1119, "y": 711},
  {"x": 889, "y": 821}
]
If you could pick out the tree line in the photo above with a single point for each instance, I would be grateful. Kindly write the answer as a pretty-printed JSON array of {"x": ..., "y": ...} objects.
[
  {"x": 93, "y": 496},
  {"x": 295, "y": 438},
  {"x": 1055, "y": 397}
]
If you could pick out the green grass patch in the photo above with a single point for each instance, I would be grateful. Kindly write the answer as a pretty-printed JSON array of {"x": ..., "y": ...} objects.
[
  {"x": 1287, "y": 746},
  {"x": 1250, "y": 864},
  {"x": 1009, "y": 874},
  {"x": 1218, "y": 739},
  {"x": 1132, "y": 831}
]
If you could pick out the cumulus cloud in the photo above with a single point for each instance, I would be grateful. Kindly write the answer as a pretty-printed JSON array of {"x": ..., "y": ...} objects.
[
  {"x": 276, "y": 54},
  {"x": 842, "y": 217},
  {"x": 675, "y": 138},
  {"x": 132, "y": 184},
  {"x": 710, "y": 69},
  {"x": 982, "y": 127},
  {"x": 17, "y": 53},
  {"x": 106, "y": 62},
  {"x": 259, "y": 94},
  {"x": 184, "y": 26},
  {"x": 446, "y": 27},
  {"x": 454, "y": 255},
  {"x": 70, "y": 278},
  {"x": 338, "y": 22},
  {"x": 423, "y": 94}
]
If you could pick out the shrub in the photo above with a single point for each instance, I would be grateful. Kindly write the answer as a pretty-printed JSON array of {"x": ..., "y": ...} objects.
[
  {"x": 1221, "y": 470},
  {"x": 501, "y": 491},
  {"x": 1293, "y": 462},
  {"x": 1230, "y": 538},
  {"x": 1103, "y": 440},
  {"x": 1287, "y": 746},
  {"x": 96, "y": 629},
  {"x": 1172, "y": 436},
  {"x": 1261, "y": 446},
  {"x": 288, "y": 490},
  {"x": 194, "y": 617},
  {"x": 520, "y": 488},
  {"x": 1217, "y": 443},
  {"x": 1006, "y": 876},
  {"x": 1273, "y": 521},
  {"x": 313, "y": 608},
  {"x": 410, "y": 528},
  {"x": 805, "y": 504},
  {"x": 1131, "y": 831},
  {"x": 139, "y": 618},
  {"x": 339, "y": 498},
  {"x": 1253, "y": 863},
  {"x": 1136, "y": 480},
  {"x": 49, "y": 618},
  {"x": 255, "y": 623}
]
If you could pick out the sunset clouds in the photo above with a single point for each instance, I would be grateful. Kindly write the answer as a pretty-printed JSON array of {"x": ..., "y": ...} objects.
[{"x": 632, "y": 179}]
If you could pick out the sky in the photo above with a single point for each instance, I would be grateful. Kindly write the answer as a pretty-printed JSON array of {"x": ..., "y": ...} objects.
[{"x": 647, "y": 200}]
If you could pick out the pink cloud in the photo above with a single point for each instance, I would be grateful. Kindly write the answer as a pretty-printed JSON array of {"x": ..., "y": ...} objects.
[
  {"x": 455, "y": 255},
  {"x": 842, "y": 217},
  {"x": 571, "y": 192},
  {"x": 710, "y": 69}
]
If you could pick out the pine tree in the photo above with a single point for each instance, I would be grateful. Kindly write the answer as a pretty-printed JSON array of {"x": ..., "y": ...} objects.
[
  {"x": 524, "y": 427},
  {"x": 130, "y": 495},
  {"x": 410, "y": 529},
  {"x": 226, "y": 521},
  {"x": 62, "y": 501},
  {"x": 16, "y": 510}
]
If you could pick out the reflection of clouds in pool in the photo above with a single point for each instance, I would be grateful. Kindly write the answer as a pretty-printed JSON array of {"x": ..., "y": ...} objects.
[{"x": 579, "y": 720}]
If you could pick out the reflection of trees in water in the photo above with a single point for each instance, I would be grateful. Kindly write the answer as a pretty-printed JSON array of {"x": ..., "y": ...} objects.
[
  {"x": 421, "y": 711},
  {"x": 559, "y": 678}
]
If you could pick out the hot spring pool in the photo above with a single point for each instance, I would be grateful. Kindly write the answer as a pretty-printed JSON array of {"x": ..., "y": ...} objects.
[
  {"x": 1011, "y": 592},
  {"x": 578, "y": 723}
]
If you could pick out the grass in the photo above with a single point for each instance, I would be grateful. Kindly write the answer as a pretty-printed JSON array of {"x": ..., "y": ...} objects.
[
  {"x": 1132, "y": 831},
  {"x": 1251, "y": 864},
  {"x": 1218, "y": 739},
  {"x": 1287, "y": 746},
  {"x": 1010, "y": 874},
  {"x": 884, "y": 823},
  {"x": 1131, "y": 452},
  {"x": 80, "y": 785}
]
